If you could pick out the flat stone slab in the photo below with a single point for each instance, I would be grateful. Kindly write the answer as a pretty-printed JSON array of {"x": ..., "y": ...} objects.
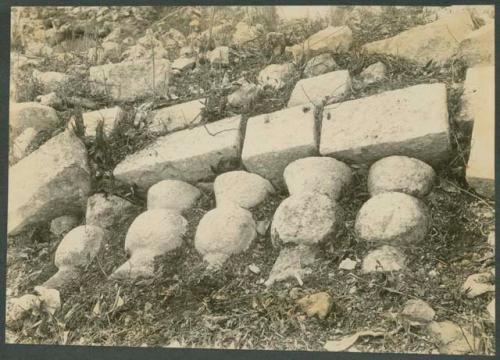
[
  {"x": 190, "y": 155},
  {"x": 412, "y": 121},
  {"x": 128, "y": 81},
  {"x": 176, "y": 117},
  {"x": 109, "y": 116},
  {"x": 50, "y": 182},
  {"x": 272, "y": 141},
  {"x": 437, "y": 41},
  {"x": 480, "y": 172},
  {"x": 330, "y": 87}
]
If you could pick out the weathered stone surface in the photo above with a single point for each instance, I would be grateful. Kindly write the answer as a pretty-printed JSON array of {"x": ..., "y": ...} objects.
[
  {"x": 63, "y": 224},
  {"x": 418, "y": 312},
  {"x": 153, "y": 233},
  {"x": 384, "y": 259},
  {"x": 491, "y": 310},
  {"x": 401, "y": 174},
  {"x": 51, "y": 100},
  {"x": 479, "y": 47},
  {"x": 318, "y": 175},
  {"x": 276, "y": 76},
  {"x": 242, "y": 188},
  {"x": 306, "y": 219},
  {"x": 274, "y": 140},
  {"x": 480, "y": 106},
  {"x": 292, "y": 262},
  {"x": 373, "y": 73},
  {"x": 176, "y": 117},
  {"x": 76, "y": 250},
  {"x": 318, "y": 304},
  {"x": 478, "y": 284},
  {"x": 392, "y": 218},
  {"x": 31, "y": 115},
  {"x": 478, "y": 98},
  {"x": 219, "y": 56},
  {"x": 327, "y": 88},
  {"x": 184, "y": 63},
  {"x": 52, "y": 181},
  {"x": 453, "y": 339},
  {"x": 491, "y": 239},
  {"x": 116, "y": 79},
  {"x": 190, "y": 155},
  {"x": 244, "y": 34},
  {"x": 244, "y": 96},
  {"x": 20, "y": 308},
  {"x": 172, "y": 194},
  {"x": 319, "y": 65},
  {"x": 50, "y": 80},
  {"x": 109, "y": 116},
  {"x": 21, "y": 145},
  {"x": 411, "y": 122},
  {"x": 224, "y": 231},
  {"x": 332, "y": 38},
  {"x": 437, "y": 41},
  {"x": 109, "y": 211}
]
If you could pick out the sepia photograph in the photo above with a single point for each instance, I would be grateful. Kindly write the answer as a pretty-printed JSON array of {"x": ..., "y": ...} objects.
[{"x": 292, "y": 178}]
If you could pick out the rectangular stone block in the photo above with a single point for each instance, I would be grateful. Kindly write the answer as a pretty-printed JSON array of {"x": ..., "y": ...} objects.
[
  {"x": 332, "y": 87},
  {"x": 129, "y": 81},
  {"x": 479, "y": 90},
  {"x": 190, "y": 155},
  {"x": 109, "y": 116},
  {"x": 412, "y": 121},
  {"x": 176, "y": 117},
  {"x": 480, "y": 172},
  {"x": 274, "y": 140},
  {"x": 52, "y": 181}
]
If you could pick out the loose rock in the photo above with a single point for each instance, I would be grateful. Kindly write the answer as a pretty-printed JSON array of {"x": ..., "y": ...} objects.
[
  {"x": 453, "y": 339},
  {"x": 491, "y": 310},
  {"x": 276, "y": 76},
  {"x": 306, "y": 219},
  {"x": 373, "y": 73},
  {"x": 242, "y": 188},
  {"x": 22, "y": 145},
  {"x": 244, "y": 96},
  {"x": 172, "y": 194},
  {"x": 292, "y": 263},
  {"x": 31, "y": 115},
  {"x": 478, "y": 47},
  {"x": 401, "y": 174},
  {"x": 384, "y": 259},
  {"x": 110, "y": 212},
  {"x": 348, "y": 264},
  {"x": 50, "y": 80},
  {"x": 219, "y": 56},
  {"x": 184, "y": 63},
  {"x": 318, "y": 175},
  {"x": 478, "y": 284},
  {"x": 418, "y": 312},
  {"x": 318, "y": 304},
  {"x": 176, "y": 117},
  {"x": 222, "y": 232},
  {"x": 244, "y": 34},
  {"x": 110, "y": 117},
  {"x": 63, "y": 224},
  {"x": 19, "y": 308},
  {"x": 392, "y": 218},
  {"x": 319, "y": 65},
  {"x": 335, "y": 39}
]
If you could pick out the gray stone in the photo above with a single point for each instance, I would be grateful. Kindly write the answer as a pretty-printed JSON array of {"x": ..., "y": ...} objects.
[
  {"x": 50, "y": 182},
  {"x": 31, "y": 115},
  {"x": 320, "y": 64},
  {"x": 373, "y": 73},
  {"x": 418, "y": 312},
  {"x": 437, "y": 41},
  {"x": 224, "y": 231},
  {"x": 335, "y": 39},
  {"x": 176, "y": 117},
  {"x": 110, "y": 211},
  {"x": 401, "y": 174},
  {"x": 392, "y": 218},
  {"x": 276, "y": 76},
  {"x": 116, "y": 79},
  {"x": 452, "y": 338},
  {"x": 190, "y": 155},
  {"x": 306, "y": 219},
  {"x": 323, "y": 89},
  {"x": 274, "y": 140},
  {"x": 244, "y": 96},
  {"x": 292, "y": 263},
  {"x": 242, "y": 188},
  {"x": 63, "y": 224},
  {"x": 318, "y": 175},
  {"x": 153, "y": 233},
  {"x": 173, "y": 194},
  {"x": 411, "y": 121},
  {"x": 75, "y": 251},
  {"x": 384, "y": 259}
]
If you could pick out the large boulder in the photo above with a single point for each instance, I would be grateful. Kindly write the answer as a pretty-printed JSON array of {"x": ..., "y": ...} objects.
[
  {"x": 392, "y": 218},
  {"x": 274, "y": 140},
  {"x": 153, "y": 233},
  {"x": 75, "y": 251},
  {"x": 116, "y": 79},
  {"x": 335, "y": 39},
  {"x": 190, "y": 155},
  {"x": 110, "y": 211},
  {"x": 242, "y": 188},
  {"x": 306, "y": 219},
  {"x": 31, "y": 115},
  {"x": 318, "y": 175},
  {"x": 322, "y": 89},
  {"x": 412, "y": 121},
  {"x": 50, "y": 182},
  {"x": 401, "y": 174},
  {"x": 224, "y": 231},
  {"x": 173, "y": 194}
]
